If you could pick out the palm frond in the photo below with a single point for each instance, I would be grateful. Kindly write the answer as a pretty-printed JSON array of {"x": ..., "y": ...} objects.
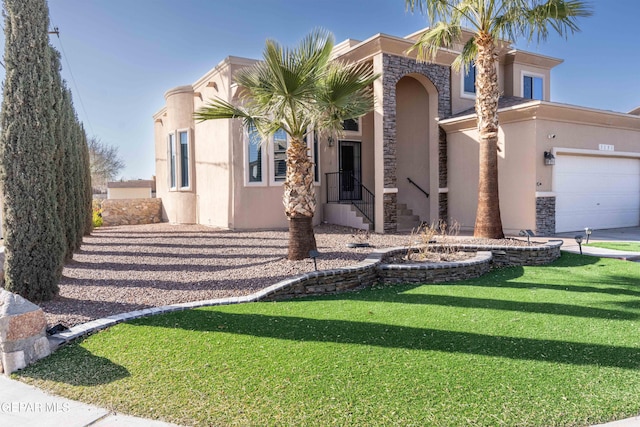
[
  {"x": 345, "y": 93},
  {"x": 435, "y": 10},
  {"x": 220, "y": 109},
  {"x": 442, "y": 35},
  {"x": 467, "y": 56},
  {"x": 560, "y": 15}
]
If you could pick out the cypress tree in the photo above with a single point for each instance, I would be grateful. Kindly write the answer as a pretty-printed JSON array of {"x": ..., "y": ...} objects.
[
  {"x": 74, "y": 238},
  {"x": 63, "y": 144},
  {"x": 87, "y": 189},
  {"x": 34, "y": 248}
]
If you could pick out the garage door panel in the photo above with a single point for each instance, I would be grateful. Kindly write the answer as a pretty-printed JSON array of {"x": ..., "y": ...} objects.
[{"x": 596, "y": 192}]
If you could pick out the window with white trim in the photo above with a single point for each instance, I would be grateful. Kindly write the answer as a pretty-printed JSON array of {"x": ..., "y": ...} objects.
[
  {"x": 254, "y": 157},
  {"x": 179, "y": 159},
  {"x": 532, "y": 86},
  {"x": 183, "y": 138},
  {"x": 469, "y": 80},
  {"x": 172, "y": 160},
  {"x": 280, "y": 144}
]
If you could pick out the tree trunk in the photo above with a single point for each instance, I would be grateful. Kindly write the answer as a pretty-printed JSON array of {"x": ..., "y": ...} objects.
[
  {"x": 488, "y": 222},
  {"x": 299, "y": 200}
]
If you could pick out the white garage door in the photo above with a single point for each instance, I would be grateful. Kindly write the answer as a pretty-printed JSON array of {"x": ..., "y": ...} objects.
[{"x": 596, "y": 192}]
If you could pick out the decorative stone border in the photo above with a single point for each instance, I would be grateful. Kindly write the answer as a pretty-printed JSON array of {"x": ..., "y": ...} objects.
[
  {"x": 365, "y": 273},
  {"x": 435, "y": 272}
]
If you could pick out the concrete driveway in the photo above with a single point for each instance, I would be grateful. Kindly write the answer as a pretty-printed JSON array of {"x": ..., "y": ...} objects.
[{"x": 629, "y": 234}]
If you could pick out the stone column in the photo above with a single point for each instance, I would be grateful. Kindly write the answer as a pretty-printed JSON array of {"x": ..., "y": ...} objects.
[{"x": 545, "y": 214}]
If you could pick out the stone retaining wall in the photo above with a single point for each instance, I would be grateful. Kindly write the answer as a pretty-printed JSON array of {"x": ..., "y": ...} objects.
[
  {"x": 131, "y": 211},
  {"x": 512, "y": 256},
  {"x": 375, "y": 269},
  {"x": 427, "y": 272}
]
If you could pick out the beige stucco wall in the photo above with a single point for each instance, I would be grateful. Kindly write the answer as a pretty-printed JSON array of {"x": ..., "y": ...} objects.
[
  {"x": 213, "y": 152},
  {"x": 585, "y": 138},
  {"x": 179, "y": 203},
  {"x": 525, "y": 134},
  {"x": 517, "y": 176},
  {"x": 128, "y": 193}
]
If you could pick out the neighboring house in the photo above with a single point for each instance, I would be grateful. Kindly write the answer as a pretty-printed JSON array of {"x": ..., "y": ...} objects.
[
  {"x": 414, "y": 158},
  {"x": 136, "y": 189}
]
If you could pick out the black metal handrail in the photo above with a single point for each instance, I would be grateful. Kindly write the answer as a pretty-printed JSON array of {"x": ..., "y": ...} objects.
[
  {"x": 345, "y": 187},
  {"x": 417, "y": 186}
]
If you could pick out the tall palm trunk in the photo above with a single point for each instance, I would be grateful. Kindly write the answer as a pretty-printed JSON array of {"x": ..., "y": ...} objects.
[
  {"x": 488, "y": 222},
  {"x": 299, "y": 200}
]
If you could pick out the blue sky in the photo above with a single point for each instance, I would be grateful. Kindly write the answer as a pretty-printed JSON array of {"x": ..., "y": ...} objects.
[{"x": 123, "y": 55}]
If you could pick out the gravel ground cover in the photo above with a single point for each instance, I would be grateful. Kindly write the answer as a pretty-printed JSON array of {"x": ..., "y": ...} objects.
[{"x": 127, "y": 268}]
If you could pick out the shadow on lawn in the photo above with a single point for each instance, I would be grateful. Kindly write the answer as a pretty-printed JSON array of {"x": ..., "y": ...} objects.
[
  {"x": 383, "y": 335},
  {"x": 497, "y": 304},
  {"x": 76, "y": 366}
]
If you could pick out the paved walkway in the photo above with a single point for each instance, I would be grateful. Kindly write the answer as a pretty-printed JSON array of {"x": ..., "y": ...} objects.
[{"x": 22, "y": 405}]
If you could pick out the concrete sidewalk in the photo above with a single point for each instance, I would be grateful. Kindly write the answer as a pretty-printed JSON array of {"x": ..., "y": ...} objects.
[{"x": 22, "y": 405}]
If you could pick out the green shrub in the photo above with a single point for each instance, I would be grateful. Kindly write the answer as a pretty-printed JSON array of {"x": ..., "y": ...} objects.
[{"x": 97, "y": 217}]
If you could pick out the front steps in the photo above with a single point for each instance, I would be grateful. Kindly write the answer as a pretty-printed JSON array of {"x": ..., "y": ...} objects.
[
  {"x": 346, "y": 214},
  {"x": 407, "y": 221}
]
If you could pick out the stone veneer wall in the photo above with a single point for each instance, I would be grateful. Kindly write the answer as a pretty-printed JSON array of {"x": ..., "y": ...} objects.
[
  {"x": 395, "y": 68},
  {"x": 443, "y": 207},
  {"x": 131, "y": 211},
  {"x": 443, "y": 198},
  {"x": 390, "y": 212},
  {"x": 373, "y": 270},
  {"x": 545, "y": 216}
]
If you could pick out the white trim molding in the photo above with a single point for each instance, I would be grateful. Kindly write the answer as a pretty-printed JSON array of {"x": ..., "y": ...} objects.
[
  {"x": 594, "y": 153},
  {"x": 545, "y": 194}
]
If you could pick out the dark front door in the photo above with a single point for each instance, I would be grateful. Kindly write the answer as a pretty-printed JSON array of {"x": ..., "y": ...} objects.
[{"x": 350, "y": 171}]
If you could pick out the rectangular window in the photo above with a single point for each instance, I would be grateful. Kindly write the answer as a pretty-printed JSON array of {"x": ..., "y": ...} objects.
[
  {"x": 351, "y": 125},
  {"x": 172, "y": 161},
  {"x": 279, "y": 155},
  {"x": 469, "y": 82},
  {"x": 532, "y": 87},
  {"x": 316, "y": 174},
  {"x": 183, "y": 136},
  {"x": 254, "y": 155}
]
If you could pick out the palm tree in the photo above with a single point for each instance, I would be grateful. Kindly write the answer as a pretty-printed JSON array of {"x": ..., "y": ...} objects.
[
  {"x": 491, "y": 21},
  {"x": 300, "y": 91}
]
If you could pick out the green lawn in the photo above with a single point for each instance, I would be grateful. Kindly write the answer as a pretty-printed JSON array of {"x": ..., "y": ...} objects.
[
  {"x": 534, "y": 346},
  {"x": 620, "y": 246}
]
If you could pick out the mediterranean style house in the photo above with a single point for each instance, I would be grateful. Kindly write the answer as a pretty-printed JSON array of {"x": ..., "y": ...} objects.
[{"x": 414, "y": 158}]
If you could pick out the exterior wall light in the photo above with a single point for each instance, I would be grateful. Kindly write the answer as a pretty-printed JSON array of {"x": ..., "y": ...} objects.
[
  {"x": 549, "y": 158},
  {"x": 579, "y": 242},
  {"x": 330, "y": 141},
  {"x": 588, "y": 232}
]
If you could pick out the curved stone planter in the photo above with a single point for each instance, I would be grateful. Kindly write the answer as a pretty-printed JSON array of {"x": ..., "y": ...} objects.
[{"x": 435, "y": 272}]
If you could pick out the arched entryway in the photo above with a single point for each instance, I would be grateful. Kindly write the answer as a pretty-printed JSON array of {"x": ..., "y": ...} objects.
[{"x": 416, "y": 160}]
